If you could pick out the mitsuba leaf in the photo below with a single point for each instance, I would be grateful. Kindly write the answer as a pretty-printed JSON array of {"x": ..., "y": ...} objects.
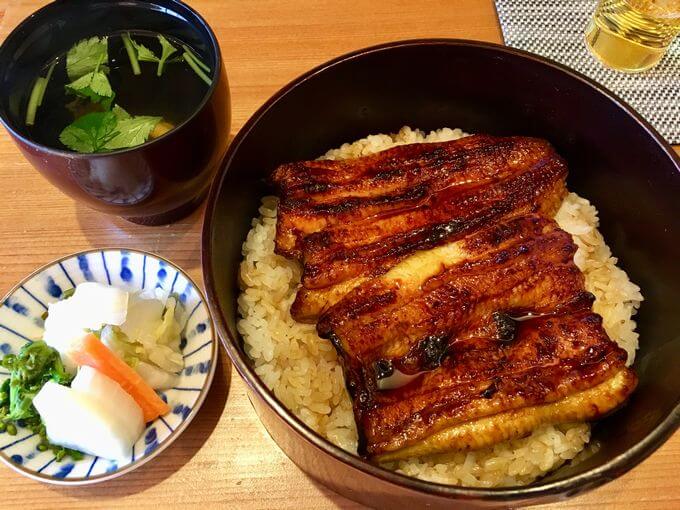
[
  {"x": 132, "y": 131},
  {"x": 143, "y": 53},
  {"x": 90, "y": 133},
  {"x": 107, "y": 131},
  {"x": 168, "y": 48},
  {"x": 113, "y": 128},
  {"x": 146, "y": 55},
  {"x": 167, "y": 51},
  {"x": 86, "y": 56},
  {"x": 95, "y": 86},
  {"x": 120, "y": 113}
]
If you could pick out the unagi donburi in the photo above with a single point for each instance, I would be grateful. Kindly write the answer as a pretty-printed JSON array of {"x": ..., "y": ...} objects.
[{"x": 451, "y": 292}]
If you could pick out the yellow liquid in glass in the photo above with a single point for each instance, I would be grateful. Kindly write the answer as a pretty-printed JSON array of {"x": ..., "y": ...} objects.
[{"x": 633, "y": 35}]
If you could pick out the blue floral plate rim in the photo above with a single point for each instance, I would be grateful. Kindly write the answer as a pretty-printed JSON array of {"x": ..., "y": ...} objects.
[{"x": 178, "y": 430}]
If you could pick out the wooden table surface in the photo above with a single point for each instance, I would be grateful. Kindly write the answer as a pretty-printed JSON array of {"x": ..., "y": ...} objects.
[{"x": 225, "y": 457}]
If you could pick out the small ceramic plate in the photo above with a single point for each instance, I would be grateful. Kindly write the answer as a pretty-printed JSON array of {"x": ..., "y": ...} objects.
[{"x": 20, "y": 322}]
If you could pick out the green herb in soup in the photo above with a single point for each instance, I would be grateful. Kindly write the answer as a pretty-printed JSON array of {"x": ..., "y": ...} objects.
[
  {"x": 86, "y": 56},
  {"x": 118, "y": 92},
  {"x": 132, "y": 54},
  {"x": 138, "y": 52},
  {"x": 93, "y": 85},
  {"x": 196, "y": 64},
  {"x": 37, "y": 95},
  {"x": 108, "y": 131}
]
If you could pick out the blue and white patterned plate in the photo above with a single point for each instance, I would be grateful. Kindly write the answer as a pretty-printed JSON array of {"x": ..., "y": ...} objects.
[{"x": 20, "y": 322}]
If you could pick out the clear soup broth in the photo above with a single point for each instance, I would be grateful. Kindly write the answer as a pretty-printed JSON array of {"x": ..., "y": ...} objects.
[{"x": 169, "y": 99}]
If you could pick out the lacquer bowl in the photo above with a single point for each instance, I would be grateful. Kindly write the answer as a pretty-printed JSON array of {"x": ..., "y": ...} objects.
[
  {"x": 21, "y": 321},
  {"x": 154, "y": 183},
  {"x": 615, "y": 159}
]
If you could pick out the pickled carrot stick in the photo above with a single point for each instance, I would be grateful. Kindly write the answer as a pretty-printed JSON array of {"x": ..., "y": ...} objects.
[{"x": 92, "y": 352}]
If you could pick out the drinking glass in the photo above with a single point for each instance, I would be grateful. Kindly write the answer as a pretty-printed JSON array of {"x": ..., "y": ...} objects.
[{"x": 633, "y": 35}]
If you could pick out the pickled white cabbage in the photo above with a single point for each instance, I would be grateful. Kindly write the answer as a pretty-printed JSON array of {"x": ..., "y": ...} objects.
[
  {"x": 150, "y": 335},
  {"x": 91, "y": 306},
  {"x": 155, "y": 377},
  {"x": 138, "y": 327},
  {"x": 144, "y": 318}
]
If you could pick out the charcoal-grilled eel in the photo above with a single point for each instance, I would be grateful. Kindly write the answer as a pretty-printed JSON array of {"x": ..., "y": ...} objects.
[{"x": 449, "y": 292}]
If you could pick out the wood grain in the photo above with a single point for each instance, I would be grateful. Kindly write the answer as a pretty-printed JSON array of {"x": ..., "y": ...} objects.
[{"x": 225, "y": 458}]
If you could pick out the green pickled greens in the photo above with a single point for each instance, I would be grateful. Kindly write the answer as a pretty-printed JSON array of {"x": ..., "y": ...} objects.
[{"x": 29, "y": 370}]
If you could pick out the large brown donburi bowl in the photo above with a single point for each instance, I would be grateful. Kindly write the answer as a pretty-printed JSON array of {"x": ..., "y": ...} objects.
[{"x": 616, "y": 160}]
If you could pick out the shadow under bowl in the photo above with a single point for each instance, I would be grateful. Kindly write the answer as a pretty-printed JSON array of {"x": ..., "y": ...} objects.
[
  {"x": 154, "y": 183},
  {"x": 616, "y": 160}
]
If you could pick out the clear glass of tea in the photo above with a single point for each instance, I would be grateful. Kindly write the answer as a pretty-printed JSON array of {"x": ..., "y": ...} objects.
[{"x": 633, "y": 35}]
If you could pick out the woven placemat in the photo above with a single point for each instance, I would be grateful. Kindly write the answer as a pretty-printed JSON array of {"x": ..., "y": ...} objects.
[{"x": 555, "y": 28}]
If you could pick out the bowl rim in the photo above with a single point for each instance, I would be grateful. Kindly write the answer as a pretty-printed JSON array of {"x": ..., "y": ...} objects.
[
  {"x": 172, "y": 437},
  {"x": 571, "y": 485},
  {"x": 178, "y": 5}
]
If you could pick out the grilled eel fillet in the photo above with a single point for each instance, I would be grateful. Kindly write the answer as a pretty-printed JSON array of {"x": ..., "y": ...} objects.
[
  {"x": 442, "y": 192},
  {"x": 438, "y": 265}
]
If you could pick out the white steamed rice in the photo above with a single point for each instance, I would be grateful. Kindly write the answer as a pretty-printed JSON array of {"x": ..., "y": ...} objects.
[{"x": 304, "y": 373}]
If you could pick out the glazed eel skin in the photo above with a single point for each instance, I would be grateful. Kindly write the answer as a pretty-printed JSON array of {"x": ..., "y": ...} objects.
[{"x": 449, "y": 292}]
